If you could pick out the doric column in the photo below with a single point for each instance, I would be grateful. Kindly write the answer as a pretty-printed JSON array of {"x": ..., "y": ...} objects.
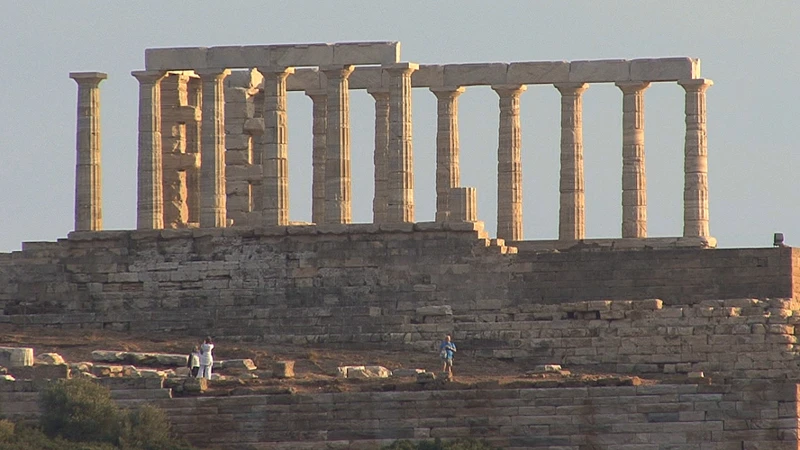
[
  {"x": 571, "y": 216},
  {"x": 275, "y": 163},
  {"x": 509, "y": 164},
  {"x": 88, "y": 186},
  {"x": 338, "y": 189},
  {"x": 319, "y": 100},
  {"x": 634, "y": 181},
  {"x": 150, "y": 199},
  {"x": 695, "y": 165},
  {"x": 212, "y": 166},
  {"x": 381, "y": 155},
  {"x": 448, "y": 175},
  {"x": 193, "y": 136},
  {"x": 400, "y": 180}
]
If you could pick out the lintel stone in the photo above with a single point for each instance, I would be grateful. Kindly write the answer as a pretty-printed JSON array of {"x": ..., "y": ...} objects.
[
  {"x": 664, "y": 69},
  {"x": 354, "y": 53},
  {"x": 475, "y": 74},
  {"x": 538, "y": 72},
  {"x": 430, "y": 75},
  {"x": 184, "y": 58},
  {"x": 599, "y": 71}
]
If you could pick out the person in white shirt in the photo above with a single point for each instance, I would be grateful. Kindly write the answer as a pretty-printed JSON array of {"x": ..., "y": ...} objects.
[
  {"x": 206, "y": 359},
  {"x": 193, "y": 362}
]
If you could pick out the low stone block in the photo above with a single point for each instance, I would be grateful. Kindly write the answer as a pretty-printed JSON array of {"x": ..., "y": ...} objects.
[
  {"x": 283, "y": 369},
  {"x": 443, "y": 310},
  {"x": 366, "y": 52},
  {"x": 49, "y": 358},
  {"x": 16, "y": 356},
  {"x": 238, "y": 365},
  {"x": 106, "y": 370},
  {"x": 406, "y": 373},
  {"x": 41, "y": 372}
]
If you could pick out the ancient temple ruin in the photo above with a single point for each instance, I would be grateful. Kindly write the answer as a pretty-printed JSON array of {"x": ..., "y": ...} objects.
[{"x": 213, "y": 147}]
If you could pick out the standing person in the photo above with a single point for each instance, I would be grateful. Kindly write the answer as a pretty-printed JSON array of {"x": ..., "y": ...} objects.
[
  {"x": 206, "y": 359},
  {"x": 193, "y": 362},
  {"x": 446, "y": 351}
]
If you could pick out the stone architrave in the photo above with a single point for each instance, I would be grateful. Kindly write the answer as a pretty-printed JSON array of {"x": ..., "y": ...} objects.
[
  {"x": 509, "y": 164},
  {"x": 448, "y": 174},
  {"x": 380, "y": 157},
  {"x": 695, "y": 166},
  {"x": 319, "y": 100},
  {"x": 338, "y": 187},
  {"x": 88, "y": 186},
  {"x": 150, "y": 199},
  {"x": 634, "y": 181},
  {"x": 400, "y": 177},
  {"x": 275, "y": 163},
  {"x": 571, "y": 216},
  {"x": 213, "y": 212}
]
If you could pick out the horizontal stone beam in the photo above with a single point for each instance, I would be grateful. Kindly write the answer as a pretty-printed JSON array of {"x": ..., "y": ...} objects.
[
  {"x": 283, "y": 55},
  {"x": 515, "y": 73}
]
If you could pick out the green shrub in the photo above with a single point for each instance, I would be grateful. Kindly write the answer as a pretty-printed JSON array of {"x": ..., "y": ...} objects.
[
  {"x": 147, "y": 428},
  {"x": 80, "y": 410},
  {"x": 438, "y": 444}
]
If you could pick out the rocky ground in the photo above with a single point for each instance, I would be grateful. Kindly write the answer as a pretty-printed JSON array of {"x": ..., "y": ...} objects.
[{"x": 315, "y": 367}]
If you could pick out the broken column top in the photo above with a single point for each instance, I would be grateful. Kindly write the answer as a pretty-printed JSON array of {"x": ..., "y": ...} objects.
[{"x": 278, "y": 55}]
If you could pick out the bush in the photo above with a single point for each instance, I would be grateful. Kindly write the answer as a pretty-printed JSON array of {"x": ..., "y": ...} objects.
[
  {"x": 80, "y": 410},
  {"x": 437, "y": 444}
]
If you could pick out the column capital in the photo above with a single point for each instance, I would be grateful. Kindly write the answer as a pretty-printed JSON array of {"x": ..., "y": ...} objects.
[
  {"x": 337, "y": 70},
  {"x": 212, "y": 73},
  {"x": 696, "y": 84},
  {"x": 632, "y": 87},
  {"x": 571, "y": 88},
  {"x": 400, "y": 68},
  {"x": 149, "y": 76},
  {"x": 509, "y": 90},
  {"x": 278, "y": 70},
  {"x": 90, "y": 78},
  {"x": 447, "y": 91}
]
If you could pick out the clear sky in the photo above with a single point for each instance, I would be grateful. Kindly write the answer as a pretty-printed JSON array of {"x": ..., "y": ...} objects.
[{"x": 749, "y": 49}]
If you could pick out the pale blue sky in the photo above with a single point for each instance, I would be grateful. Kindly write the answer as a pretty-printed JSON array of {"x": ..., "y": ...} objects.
[{"x": 750, "y": 51}]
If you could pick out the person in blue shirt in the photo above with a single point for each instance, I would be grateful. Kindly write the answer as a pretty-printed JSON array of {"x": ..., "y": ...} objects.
[{"x": 446, "y": 351}]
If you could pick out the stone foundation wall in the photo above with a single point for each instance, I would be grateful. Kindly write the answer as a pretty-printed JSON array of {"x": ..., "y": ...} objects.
[
  {"x": 407, "y": 285},
  {"x": 687, "y": 417}
]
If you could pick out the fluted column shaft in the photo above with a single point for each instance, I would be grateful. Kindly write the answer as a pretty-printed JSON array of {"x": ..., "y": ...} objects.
[
  {"x": 509, "y": 164},
  {"x": 695, "y": 166},
  {"x": 213, "y": 212},
  {"x": 448, "y": 174},
  {"x": 571, "y": 216},
  {"x": 88, "y": 179},
  {"x": 275, "y": 162},
  {"x": 634, "y": 181},
  {"x": 400, "y": 205},
  {"x": 319, "y": 99},
  {"x": 150, "y": 199},
  {"x": 338, "y": 187},
  {"x": 380, "y": 158}
]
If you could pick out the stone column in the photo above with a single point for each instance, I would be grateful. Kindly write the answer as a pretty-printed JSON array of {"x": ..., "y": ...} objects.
[
  {"x": 695, "y": 165},
  {"x": 448, "y": 175},
  {"x": 194, "y": 134},
  {"x": 509, "y": 164},
  {"x": 381, "y": 155},
  {"x": 88, "y": 186},
  {"x": 634, "y": 181},
  {"x": 571, "y": 216},
  {"x": 150, "y": 199},
  {"x": 319, "y": 100},
  {"x": 400, "y": 177},
  {"x": 275, "y": 162},
  {"x": 338, "y": 188},
  {"x": 213, "y": 212}
]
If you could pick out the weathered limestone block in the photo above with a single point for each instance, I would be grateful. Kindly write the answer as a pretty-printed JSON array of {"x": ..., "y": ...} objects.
[
  {"x": 236, "y": 365},
  {"x": 41, "y": 372},
  {"x": 443, "y": 310},
  {"x": 283, "y": 369},
  {"x": 16, "y": 356},
  {"x": 406, "y": 373},
  {"x": 105, "y": 370},
  {"x": 49, "y": 358},
  {"x": 606, "y": 71},
  {"x": 107, "y": 356},
  {"x": 664, "y": 69},
  {"x": 475, "y": 74},
  {"x": 538, "y": 72}
]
